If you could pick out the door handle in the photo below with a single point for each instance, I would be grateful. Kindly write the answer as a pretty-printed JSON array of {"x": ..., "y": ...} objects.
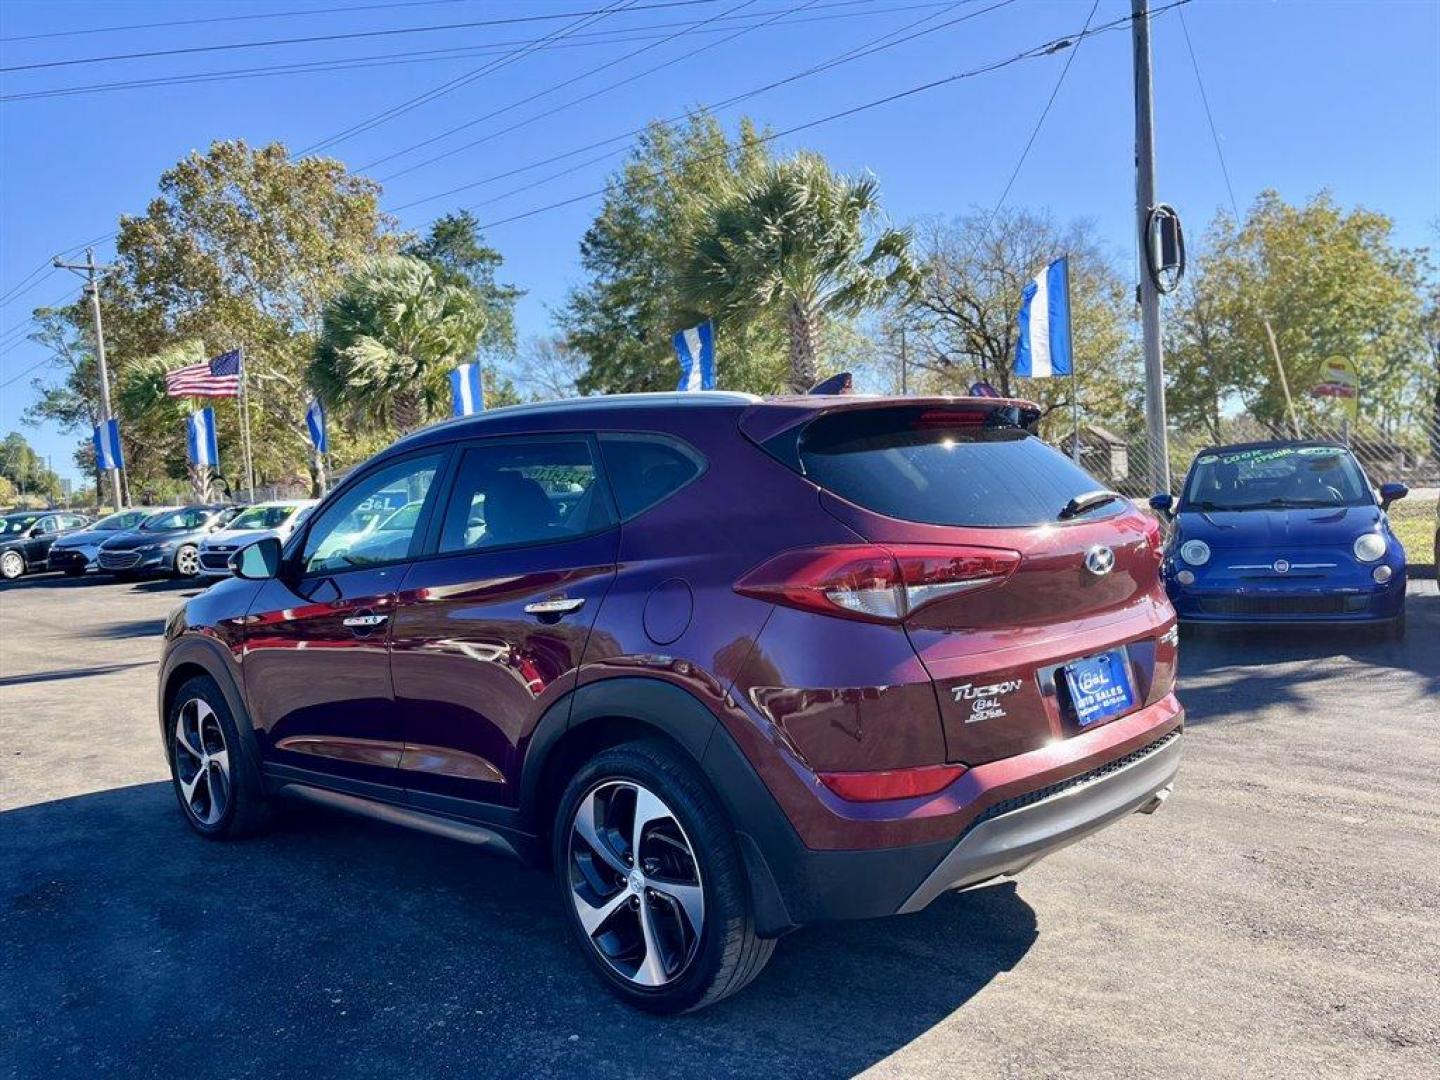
[
  {"x": 560, "y": 605},
  {"x": 363, "y": 621}
]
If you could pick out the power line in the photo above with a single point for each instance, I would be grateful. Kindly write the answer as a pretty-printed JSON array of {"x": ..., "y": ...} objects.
[
  {"x": 574, "y": 101},
  {"x": 225, "y": 19},
  {"x": 386, "y": 115},
  {"x": 21, "y": 287},
  {"x": 1039, "y": 122},
  {"x": 1210, "y": 119},
  {"x": 859, "y": 52},
  {"x": 236, "y": 45},
  {"x": 1028, "y": 54},
  {"x": 46, "y": 268},
  {"x": 459, "y": 52}
]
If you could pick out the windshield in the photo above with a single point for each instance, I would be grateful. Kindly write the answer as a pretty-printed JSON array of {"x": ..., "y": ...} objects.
[
  {"x": 17, "y": 523},
  {"x": 262, "y": 517},
  {"x": 946, "y": 468},
  {"x": 126, "y": 519},
  {"x": 188, "y": 518},
  {"x": 1275, "y": 478}
]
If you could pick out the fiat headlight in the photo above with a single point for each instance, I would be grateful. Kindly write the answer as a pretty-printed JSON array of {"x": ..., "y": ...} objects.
[
  {"x": 1369, "y": 547},
  {"x": 1195, "y": 552}
]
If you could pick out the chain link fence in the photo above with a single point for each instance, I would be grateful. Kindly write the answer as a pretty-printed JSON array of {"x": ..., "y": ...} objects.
[{"x": 1407, "y": 452}]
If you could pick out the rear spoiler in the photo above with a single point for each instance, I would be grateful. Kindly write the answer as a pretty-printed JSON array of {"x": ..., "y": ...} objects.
[{"x": 774, "y": 416}]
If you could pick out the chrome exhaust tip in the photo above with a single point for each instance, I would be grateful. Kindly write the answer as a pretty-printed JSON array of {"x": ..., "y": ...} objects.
[{"x": 1157, "y": 800}]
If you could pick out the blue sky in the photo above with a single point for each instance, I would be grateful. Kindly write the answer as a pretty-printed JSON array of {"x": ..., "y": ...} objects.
[{"x": 1338, "y": 95}]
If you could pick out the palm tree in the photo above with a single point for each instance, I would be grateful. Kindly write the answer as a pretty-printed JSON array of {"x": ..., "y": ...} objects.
[
  {"x": 800, "y": 242},
  {"x": 390, "y": 339}
]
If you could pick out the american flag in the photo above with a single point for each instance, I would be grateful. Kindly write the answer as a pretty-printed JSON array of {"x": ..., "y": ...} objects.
[{"x": 219, "y": 377}]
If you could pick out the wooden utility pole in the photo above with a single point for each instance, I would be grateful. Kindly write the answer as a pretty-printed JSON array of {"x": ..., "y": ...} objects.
[{"x": 1149, "y": 294}]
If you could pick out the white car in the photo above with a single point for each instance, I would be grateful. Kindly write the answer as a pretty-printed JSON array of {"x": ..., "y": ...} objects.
[{"x": 278, "y": 518}]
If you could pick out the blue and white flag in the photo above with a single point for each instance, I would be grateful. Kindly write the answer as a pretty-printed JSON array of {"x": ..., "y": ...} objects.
[
  {"x": 107, "y": 445},
  {"x": 200, "y": 432},
  {"x": 467, "y": 392},
  {"x": 696, "y": 349},
  {"x": 315, "y": 421},
  {"x": 1044, "y": 348}
]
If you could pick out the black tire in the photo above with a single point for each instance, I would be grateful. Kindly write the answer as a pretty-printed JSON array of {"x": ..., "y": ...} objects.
[
  {"x": 1396, "y": 630},
  {"x": 728, "y": 955},
  {"x": 12, "y": 565},
  {"x": 74, "y": 571},
  {"x": 246, "y": 810}
]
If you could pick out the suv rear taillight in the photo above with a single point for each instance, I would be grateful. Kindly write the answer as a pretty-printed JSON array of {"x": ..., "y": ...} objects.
[{"x": 874, "y": 583}]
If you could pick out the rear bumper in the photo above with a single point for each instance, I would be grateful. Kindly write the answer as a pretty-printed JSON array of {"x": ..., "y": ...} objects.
[
  {"x": 1030, "y": 827},
  {"x": 995, "y": 821}
]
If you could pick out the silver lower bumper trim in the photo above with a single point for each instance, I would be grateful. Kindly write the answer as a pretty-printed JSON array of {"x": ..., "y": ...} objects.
[{"x": 1010, "y": 842}]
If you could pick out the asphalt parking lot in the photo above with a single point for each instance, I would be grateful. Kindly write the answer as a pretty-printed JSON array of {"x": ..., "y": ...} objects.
[{"x": 1280, "y": 916}]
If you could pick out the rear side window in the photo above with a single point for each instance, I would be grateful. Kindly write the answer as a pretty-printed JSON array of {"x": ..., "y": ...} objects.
[
  {"x": 943, "y": 468},
  {"x": 526, "y": 492},
  {"x": 644, "y": 469}
]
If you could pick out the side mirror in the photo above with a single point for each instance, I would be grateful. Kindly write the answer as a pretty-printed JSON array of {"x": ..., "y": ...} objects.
[
  {"x": 1163, "y": 504},
  {"x": 1390, "y": 493},
  {"x": 259, "y": 561}
]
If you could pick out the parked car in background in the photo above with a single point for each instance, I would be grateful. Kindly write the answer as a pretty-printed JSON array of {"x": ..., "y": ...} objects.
[
  {"x": 74, "y": 552},
  {"x": 1283, "y": 532},
  {"x": 164, "y": 543},
  {"x": 728, "y": 665},
  {"x": 26, "y": 539},
  {"x": 277, "y": 519}
]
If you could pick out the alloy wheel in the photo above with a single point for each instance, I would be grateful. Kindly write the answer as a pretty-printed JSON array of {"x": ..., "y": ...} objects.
[
  {"x": 187, "y": 561},
  {"x": 202, "y": 762},
  {"x": 635, "y": 883},
  {"x": 11, "y": 565}
]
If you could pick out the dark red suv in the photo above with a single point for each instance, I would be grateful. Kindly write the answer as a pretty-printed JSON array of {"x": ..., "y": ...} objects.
[{"x": 728, "y": 664}]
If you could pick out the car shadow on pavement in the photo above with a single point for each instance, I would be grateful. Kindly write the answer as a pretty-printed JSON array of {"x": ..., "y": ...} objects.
[
  {"x": 1231, "y": 673},
  {"x": 135, "y": 628},
  {"x": 64, "y": 674},
  {"x": 334, "y": 946},
  {"x": 44, "y": 580}
]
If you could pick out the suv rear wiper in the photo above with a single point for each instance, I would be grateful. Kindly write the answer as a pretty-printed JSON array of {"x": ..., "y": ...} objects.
[{"x": 1081, "y": 504}]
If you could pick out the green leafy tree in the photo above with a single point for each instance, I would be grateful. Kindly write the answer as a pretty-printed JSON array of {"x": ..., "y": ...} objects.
[
  {"x": 390, "y": 339},
  {"x": 456, "y": 250},
  {"x": 1330, "y": 282},
  {"x": 242, "y": 248},
  {"x": 798, "y": 242},
  {"x": 23, "y": 467},
  {"x": 636, "y": 251},
  {"x": 67, "y": 394}
]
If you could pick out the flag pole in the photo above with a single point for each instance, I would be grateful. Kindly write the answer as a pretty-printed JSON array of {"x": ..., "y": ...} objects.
[{"x": 245, "y": 425}]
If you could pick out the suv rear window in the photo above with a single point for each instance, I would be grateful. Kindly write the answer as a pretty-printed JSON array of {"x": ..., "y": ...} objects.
[{"x": 943, "y": 468}]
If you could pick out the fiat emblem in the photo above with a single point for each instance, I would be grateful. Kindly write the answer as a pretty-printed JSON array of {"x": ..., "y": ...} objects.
[
  {"x": 1282, "y": 566},
  {"x": 1099, "y": 560}
]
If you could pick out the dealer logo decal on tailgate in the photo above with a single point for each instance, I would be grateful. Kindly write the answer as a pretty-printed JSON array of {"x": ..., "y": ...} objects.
[{"x": 985, "y": 700}]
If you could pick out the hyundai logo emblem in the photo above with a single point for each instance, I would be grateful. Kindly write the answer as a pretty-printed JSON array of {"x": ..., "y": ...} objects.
[
  {"x": 1282, "y": 566},
  {"x": 1099, "y": 560}
]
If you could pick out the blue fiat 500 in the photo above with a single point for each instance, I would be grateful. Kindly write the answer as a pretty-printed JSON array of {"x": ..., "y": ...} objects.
[{"x": 1283, "y": 532}]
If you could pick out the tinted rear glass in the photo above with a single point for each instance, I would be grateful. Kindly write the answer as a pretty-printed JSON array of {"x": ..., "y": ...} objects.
[
  {"x": 644, "y": 469},
  {"x": 920, "y": 465}
]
